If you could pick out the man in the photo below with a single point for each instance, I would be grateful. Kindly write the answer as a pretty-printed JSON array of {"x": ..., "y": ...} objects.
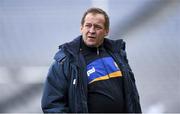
[{"x": 91, "y": 73}]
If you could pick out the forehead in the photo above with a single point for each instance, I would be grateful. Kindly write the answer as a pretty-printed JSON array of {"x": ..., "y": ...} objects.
[{"x": 94, "y": 18}]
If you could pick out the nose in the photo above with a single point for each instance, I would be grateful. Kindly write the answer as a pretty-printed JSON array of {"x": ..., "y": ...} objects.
[{"x": 92, "y": 29}]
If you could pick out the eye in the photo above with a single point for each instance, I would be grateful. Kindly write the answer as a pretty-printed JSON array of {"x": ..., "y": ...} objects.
[
  {"x": 98, "y": 27},
  {"x": 87, "y": 25}
]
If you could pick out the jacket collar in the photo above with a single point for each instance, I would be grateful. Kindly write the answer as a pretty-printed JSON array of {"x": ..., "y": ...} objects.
[{"x": 74, "y": 47}]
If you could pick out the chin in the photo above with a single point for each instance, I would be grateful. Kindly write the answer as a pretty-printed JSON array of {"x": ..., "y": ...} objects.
[{"x": 91, "y": 45}]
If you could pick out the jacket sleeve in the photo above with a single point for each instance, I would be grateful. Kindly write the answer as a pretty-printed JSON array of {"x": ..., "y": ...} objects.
[
  {"x": 136, "y": 107},
  {"x": 54, "y": 99}
]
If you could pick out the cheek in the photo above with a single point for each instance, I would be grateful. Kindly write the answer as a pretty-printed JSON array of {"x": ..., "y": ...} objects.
[
  {"x": 84, "y": 32},
  {"x": 101, "y": 34}
]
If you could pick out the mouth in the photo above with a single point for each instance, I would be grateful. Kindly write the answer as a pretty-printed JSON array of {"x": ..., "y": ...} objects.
[{"x": 91, "y": 37}]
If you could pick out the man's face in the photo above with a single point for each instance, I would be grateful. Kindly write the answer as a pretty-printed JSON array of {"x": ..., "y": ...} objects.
[{"x": 93, "y": 30}]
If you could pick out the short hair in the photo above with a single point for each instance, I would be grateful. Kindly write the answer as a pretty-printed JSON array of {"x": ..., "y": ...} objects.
[{"x": 97, "y": 11}]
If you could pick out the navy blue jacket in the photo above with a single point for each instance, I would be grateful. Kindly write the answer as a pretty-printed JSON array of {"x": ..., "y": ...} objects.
[{"x": 65, "y": 88}]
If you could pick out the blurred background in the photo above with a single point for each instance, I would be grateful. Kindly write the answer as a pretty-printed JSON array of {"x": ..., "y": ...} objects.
[{"x": 32, "y": 30}]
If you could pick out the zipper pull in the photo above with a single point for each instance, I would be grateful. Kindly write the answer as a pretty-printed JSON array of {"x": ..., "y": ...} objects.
[{"x": 97, "y": 51}]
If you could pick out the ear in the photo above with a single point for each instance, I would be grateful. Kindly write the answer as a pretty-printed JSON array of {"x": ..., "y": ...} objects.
[
  {"x": 81, "y": 27},
  {"x": 106, "y": 32}
]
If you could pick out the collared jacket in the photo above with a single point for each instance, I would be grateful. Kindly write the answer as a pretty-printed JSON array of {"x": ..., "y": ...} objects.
[{"x": 65, "y": 89}]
